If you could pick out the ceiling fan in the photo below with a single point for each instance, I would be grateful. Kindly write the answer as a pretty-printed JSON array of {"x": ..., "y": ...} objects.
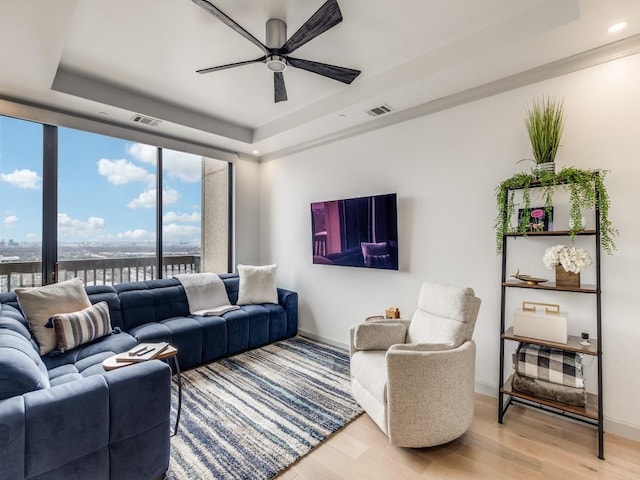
[{"x": 278, "y": 48}]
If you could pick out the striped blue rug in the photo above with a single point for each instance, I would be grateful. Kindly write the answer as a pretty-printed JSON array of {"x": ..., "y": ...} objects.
[{"x": 253, "y": 415}]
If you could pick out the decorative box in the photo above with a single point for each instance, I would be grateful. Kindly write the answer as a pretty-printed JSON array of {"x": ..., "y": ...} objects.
[{"x": 544, "y": 323}]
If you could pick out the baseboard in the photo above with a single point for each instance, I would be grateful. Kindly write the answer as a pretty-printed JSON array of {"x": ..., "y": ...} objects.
[
  {"x": 320, "y": 338},
  {"x": 611, "y": 425}
]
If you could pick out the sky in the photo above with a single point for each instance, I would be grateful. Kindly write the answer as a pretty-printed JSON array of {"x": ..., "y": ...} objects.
[{"x": 106, "y": 188}]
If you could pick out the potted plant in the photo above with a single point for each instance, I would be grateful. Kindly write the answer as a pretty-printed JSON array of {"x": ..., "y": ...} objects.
[
  {"x": 568, "y": 262},
  {"x": 545, "y": 122},
  {"x": 586, "y": 191}
]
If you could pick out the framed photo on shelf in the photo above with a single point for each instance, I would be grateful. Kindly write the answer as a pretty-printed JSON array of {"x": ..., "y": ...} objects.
[{"x": 538, "y": 220}]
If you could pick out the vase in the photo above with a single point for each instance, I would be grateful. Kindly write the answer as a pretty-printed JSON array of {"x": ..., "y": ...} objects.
[
  {"x": 566, "y": 279},
  {"x": 582, "y": 226},
  {"x": 545, "y": 167}
]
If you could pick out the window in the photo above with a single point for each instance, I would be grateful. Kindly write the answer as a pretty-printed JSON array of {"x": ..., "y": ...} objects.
[
  {"x": 106, "y": 208},
  {"x": 20, "y": 203},
  {"x": 101, "y": 217},
  {"x": 195, "y": 213}
]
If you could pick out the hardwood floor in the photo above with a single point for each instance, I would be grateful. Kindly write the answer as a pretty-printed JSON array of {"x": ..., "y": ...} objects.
[{"x": 529, "y": 445}]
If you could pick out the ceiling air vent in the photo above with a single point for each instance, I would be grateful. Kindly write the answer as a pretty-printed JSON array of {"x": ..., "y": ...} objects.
[
  {"x": 152, "y": 122},
  {"x": 379, "y": 110}
]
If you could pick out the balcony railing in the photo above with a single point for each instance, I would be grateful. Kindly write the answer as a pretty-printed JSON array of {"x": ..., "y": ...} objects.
[{"x": 99, "y": 271}]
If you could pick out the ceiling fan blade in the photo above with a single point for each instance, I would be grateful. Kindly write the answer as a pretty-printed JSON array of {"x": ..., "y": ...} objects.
[
  {"x": 327, "y": 16},
  {"x": 220, "y": 15},
  {"x": 279, "y": 90},
  {"x": 341, "y": 74},
  {"x": 231, "y": 65}
]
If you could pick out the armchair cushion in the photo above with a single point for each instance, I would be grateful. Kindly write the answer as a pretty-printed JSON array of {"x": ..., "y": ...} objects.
[
  {"x": 445, "y": 314},
  {"x": 379, "y": 336},
  {"x": 370, "y": 369},
  {"x": 422, "y": 347}
]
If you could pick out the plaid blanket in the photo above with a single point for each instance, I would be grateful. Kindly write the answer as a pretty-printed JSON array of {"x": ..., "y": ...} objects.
[{"x": 550, "y": 364}]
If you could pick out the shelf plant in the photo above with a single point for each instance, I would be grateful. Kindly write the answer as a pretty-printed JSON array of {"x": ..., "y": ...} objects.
[
  {"x": 545, "y": 122},
  {"x": 586, "y": 190}
]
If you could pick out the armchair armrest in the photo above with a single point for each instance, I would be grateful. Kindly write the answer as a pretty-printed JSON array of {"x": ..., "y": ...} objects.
[
  {"x": 379, "y": 335},
  {"x": 429, "y": 384}
]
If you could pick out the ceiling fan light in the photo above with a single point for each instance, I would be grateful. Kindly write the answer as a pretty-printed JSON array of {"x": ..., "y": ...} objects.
[{"x": 276, "y": 63}]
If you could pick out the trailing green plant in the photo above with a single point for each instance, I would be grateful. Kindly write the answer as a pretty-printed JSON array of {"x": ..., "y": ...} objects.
[
  {"x": 545, "y": 122},
  {"x": 586, "y": 191}
]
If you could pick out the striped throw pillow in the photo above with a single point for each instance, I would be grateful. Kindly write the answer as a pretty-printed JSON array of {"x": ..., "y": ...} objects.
[{"x": 77, "y": 328}]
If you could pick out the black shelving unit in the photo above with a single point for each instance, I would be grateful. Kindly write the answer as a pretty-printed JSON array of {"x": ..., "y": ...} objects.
[{"x": 592, "y": 413}]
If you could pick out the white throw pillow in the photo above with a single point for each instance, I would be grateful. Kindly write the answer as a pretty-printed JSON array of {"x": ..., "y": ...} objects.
[
  {"x": 40, "y": 303},
  {"x": 257, "y": 284}
]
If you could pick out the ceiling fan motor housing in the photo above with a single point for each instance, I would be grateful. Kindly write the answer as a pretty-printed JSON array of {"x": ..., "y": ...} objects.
[{"x": 276, "y": 36}]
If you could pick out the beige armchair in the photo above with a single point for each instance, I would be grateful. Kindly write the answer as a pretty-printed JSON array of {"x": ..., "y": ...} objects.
[{"x": 416, "y": 378}]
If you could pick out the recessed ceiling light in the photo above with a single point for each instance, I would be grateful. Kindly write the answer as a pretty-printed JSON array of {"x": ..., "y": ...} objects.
[
  {"x": 616, "y": 27},
  {"x": 256, "y": 152},
  {"x": 342, "y": 115}
]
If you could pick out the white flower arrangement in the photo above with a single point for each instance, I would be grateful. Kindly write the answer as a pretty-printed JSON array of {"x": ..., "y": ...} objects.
[{"x": 572, "y": 259}]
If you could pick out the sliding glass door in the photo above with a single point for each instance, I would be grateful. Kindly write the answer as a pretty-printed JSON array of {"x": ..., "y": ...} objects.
[
  {"x": 106, "y": 208},
  {"x": 21, "y": 145}
]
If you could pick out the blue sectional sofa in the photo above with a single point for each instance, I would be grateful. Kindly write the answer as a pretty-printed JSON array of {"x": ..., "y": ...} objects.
[{"x": 63, "y": 417}]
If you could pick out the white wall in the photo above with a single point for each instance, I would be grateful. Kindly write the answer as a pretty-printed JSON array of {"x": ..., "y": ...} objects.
[{"x": 444, "y": 168}]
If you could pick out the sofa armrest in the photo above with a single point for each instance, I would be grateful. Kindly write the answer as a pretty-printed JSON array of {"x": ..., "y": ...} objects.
[
  {"x": 139, "y": 434},
  {"x": 66, "y": 423},
  {"x": 12, "y": 438},
  {"x": 289, "y": 300},
  {"x": 139, "y": 398},
  {"x": 378, "y": 335}
]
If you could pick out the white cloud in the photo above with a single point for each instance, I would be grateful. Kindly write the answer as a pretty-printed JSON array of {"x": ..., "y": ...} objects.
[
  {"x": 147, "y": 199},
  {"x": 138, "y": 234},
  {"x": 69, "y": 227},
  {"x": 185, "y": 167},
  {"x": 22, "y": 178},
  {"x": 177, "y": 232},
  {"x": 123, "y": 171},
  {"x": 32, "y": 237},
  {"x": 174, "y": 217},
  {"x": 143, "y": 153},
  {"x": 10, "y": 221}
]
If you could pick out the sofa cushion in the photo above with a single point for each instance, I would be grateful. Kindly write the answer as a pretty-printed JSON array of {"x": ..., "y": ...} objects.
[
  {"x": 370, "y": 368},
  {"x": 39, "y": 303},
  {"x": 89, "y": 354},
  {"x": 106, "y": 293},
  {"x": 151, "y": 301},
  {"x": 77, "y": 328},
  {"x": 184, "y": 333},
  {"x": 21, "y": 369},
  {"x": 257, "y": 284}
]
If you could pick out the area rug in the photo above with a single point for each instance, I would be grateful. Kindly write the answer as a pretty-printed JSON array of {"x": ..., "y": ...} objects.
[{"x": 253, "y": 415}]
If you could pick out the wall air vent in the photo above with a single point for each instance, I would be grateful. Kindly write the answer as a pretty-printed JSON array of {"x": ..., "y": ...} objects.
[
  {"x": 152, "y": 122},
  {"x": 379, "y": 110}
]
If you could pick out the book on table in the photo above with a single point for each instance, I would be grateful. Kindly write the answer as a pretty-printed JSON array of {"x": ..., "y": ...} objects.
[{"x": 143, "y": 352}]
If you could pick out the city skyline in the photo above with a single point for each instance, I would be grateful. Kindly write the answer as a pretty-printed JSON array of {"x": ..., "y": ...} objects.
[{"x": 106, "y": 188}]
